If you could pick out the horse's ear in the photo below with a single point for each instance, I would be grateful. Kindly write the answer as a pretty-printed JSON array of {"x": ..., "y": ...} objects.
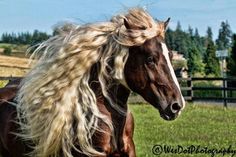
[
  {"x": 127, "y": 26},
  {"x": 166, "y": 23}
]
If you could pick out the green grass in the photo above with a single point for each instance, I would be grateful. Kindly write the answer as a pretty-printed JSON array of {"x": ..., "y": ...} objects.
[
  {"x": 14, "y": 46},
  {"x": 18, "y": 50},
  {"x": 3, "y": 83},
  {"x": 211, "y": 126},
  {"x": 3, "y": 45}
]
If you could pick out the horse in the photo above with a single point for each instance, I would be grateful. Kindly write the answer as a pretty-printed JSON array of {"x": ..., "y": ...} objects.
[
  {"x": 73, "y": 102},
  {"x": 9, "y": 141}
]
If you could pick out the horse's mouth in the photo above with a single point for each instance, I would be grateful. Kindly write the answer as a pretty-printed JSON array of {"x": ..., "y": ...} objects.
[
  {"x": 168, "y": 117},
  {"x": 165, "y": 114},
  {"x": 165, "y": 117}
]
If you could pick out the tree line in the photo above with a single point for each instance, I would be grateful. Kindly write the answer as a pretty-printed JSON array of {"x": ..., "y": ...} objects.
[
  {"x": 25, "y": 38},
  {"x": 198, "y": 50}
]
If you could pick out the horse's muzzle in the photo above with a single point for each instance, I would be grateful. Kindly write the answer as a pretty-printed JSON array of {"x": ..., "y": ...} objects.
[{"x": 172, "y": 111}]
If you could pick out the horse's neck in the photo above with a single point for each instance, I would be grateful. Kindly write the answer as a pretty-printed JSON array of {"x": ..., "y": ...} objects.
[
  {"x": 119, "y": 95},
  {"x": 117, "y": 92}
]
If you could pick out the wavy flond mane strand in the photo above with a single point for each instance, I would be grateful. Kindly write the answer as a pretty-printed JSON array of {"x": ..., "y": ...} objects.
[{"x": 55, "y": 98}]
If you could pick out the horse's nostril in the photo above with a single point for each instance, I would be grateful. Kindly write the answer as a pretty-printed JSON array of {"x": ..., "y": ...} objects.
[{"x": 175, "y": 107}]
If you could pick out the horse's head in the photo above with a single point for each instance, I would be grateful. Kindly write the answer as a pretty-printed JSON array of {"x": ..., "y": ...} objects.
[{"x": 148, "y": 72}]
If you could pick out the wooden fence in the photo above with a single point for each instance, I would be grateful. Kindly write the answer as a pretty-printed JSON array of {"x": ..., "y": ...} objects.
[{"x": 226, "y": 88}]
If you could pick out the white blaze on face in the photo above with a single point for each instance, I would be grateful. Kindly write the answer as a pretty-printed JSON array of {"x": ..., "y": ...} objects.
[{"x": 166, "y": 54}]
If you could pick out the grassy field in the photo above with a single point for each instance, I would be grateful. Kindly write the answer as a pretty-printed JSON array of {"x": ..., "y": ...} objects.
[
  {"x": 17, "y": 50},
  {"x": 12, "y": 66},
  {"x": 3, "y": 83},
  {"x": 8, "y": 61},
  {"x": 208, "y": 126}
]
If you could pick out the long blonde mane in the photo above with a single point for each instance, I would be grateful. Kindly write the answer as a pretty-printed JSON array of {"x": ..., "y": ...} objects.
[{"x": 55, "y": 97}]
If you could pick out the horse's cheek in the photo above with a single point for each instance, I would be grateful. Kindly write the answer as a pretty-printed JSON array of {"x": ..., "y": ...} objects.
[{"x": 136, "y": 78}]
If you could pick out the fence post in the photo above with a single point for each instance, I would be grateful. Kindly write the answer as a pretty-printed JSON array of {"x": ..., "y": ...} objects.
[
  {"x": 190, "y": 85},
  {"x": 225, "y": 91}
]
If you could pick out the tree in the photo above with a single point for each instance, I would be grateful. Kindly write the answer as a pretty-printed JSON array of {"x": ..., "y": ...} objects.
[
  {"x": 178, "y": 27},
  {"x": 180, "y": 40},
  {"x": 7, "y": 51},
  {"x": 209, "y": 36},
  {"x": 190, "y": 31},
  {"x": 196, "y": 34},
  {"x": 24, "y": 37},
  {"x": 6, "y": 38},
  {"x": 232, "y": 59},
  {"x": 224, "y": 37},
  {"x": 177, "y": 40},
  {"x": 212, "y": 65},
  {"x": 170, "y": 38},
  {"x": 195, "y": 64}
]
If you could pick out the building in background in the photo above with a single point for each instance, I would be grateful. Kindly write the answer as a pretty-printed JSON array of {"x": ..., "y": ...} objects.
[{"x": 179, "y": 64}]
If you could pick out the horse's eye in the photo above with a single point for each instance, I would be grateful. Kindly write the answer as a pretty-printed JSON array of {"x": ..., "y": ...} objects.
[{"x": 150, "y": 60}]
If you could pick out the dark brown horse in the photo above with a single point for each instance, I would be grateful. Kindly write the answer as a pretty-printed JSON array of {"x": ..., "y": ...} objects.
[
  {"x": 10, "y": 145},
  {"x": 139, "y": 61}
]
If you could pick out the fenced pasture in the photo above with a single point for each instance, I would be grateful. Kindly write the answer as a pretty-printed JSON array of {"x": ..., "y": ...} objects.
[{"x": 208, "y": 126}]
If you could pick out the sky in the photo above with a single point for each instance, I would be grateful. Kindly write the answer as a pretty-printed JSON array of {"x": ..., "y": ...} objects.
[{"x": 28, "y": 15}]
